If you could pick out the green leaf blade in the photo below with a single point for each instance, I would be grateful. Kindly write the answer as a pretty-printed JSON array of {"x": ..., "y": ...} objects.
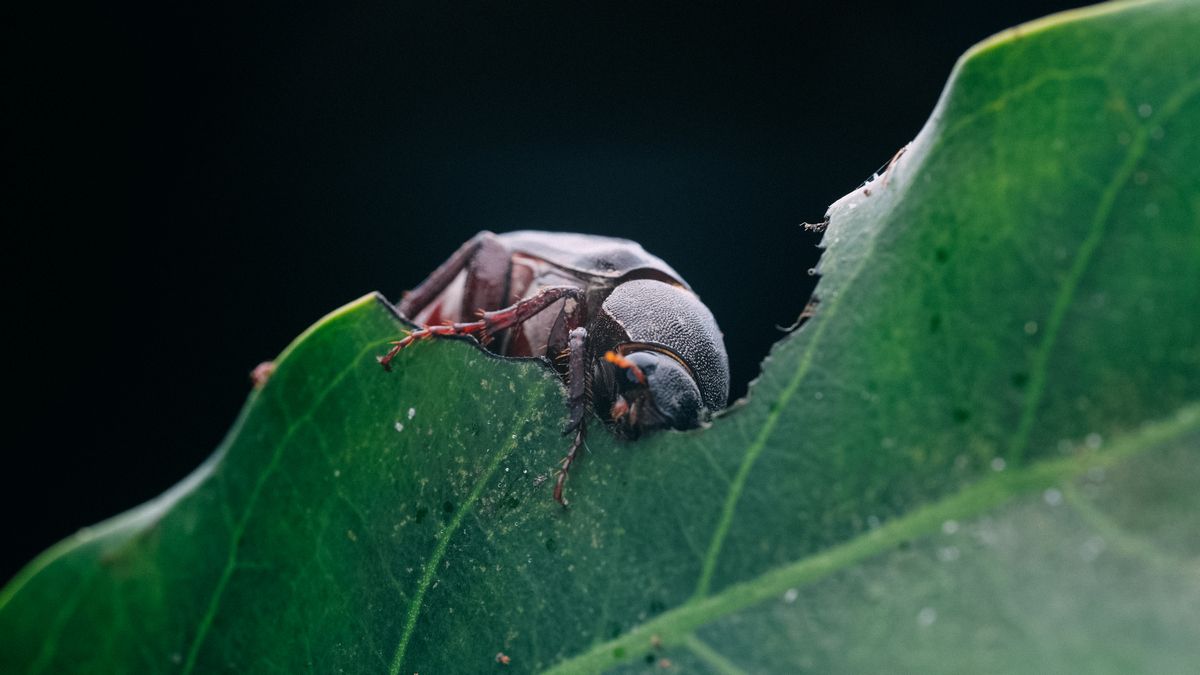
[{"x": 1007, "y": 311}]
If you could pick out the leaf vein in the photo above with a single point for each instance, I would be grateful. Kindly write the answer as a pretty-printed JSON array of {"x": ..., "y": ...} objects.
[
  {"x": 252, "y": 501},
  {"x": 714, "y": 659},
  {"x": 443, "y": 542},
  {"x": 674, "y": 625},
  {"x": 1122, "y": 540},
  {"x": 1079, "y": 266},
  {"x": 756, "y": 447}
]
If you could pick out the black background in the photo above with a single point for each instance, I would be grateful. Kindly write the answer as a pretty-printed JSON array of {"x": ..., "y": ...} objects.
[{"x": 195, "y": 185}]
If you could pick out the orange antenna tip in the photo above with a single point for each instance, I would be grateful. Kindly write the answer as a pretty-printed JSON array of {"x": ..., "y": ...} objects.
[{"x": 624, "y": 363}]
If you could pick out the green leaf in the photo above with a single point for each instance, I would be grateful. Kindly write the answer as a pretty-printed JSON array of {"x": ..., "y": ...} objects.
[{"x": 980, "y": 455}]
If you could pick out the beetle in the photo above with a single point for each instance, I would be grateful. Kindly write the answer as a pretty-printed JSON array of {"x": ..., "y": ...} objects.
[{"x": 627, "y": 333}]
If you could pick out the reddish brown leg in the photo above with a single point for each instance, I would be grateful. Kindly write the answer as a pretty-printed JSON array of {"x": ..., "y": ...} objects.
[
  {"x": 565, "y": 465},
  {"x": 416, "y": 299},
  {"x": 489, "y": 322},
  {"x": 578, "y": 391}
]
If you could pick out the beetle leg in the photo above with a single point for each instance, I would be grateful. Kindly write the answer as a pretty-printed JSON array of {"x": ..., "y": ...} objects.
[
  {"x": 416, "y": 299},
  {"x": 565, "y": 465},
  {"x": 490, "y": 322},
  {"x": 578, "y": 395},
  {"x": 578, "y": 385}
]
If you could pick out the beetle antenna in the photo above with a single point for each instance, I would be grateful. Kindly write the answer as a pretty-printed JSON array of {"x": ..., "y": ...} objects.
[{"x": 625, "y": 364}]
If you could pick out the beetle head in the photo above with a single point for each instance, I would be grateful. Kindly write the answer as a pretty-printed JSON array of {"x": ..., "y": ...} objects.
[{"x": 646, "y": 389}]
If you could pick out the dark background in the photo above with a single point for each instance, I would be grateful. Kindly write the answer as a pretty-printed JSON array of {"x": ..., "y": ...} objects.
[{"x": 196, "y": 185}]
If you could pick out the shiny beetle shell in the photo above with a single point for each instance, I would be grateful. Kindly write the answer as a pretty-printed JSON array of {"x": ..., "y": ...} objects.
[
  {"x": 592, "y": 255},
  {"x": 655, "y": 313},
  {"x": 620, "y": 325}
]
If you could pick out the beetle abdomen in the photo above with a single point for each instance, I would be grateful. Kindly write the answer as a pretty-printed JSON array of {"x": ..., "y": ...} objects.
[{"x": 662, "y": 314}]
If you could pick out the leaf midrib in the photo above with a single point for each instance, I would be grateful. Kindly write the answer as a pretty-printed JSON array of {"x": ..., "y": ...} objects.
[
  {"x": 1039, "y": 368},
  {"x": 674, "y": 626}
]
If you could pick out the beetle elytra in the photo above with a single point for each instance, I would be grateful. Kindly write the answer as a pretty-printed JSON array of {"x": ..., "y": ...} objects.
[{"x": 640, "y": 348}]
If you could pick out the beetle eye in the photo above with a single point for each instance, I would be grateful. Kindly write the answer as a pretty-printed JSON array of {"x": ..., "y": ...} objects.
[
  {"x": 632, "y": 372},
  {"x": 672, "y": 390}
]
